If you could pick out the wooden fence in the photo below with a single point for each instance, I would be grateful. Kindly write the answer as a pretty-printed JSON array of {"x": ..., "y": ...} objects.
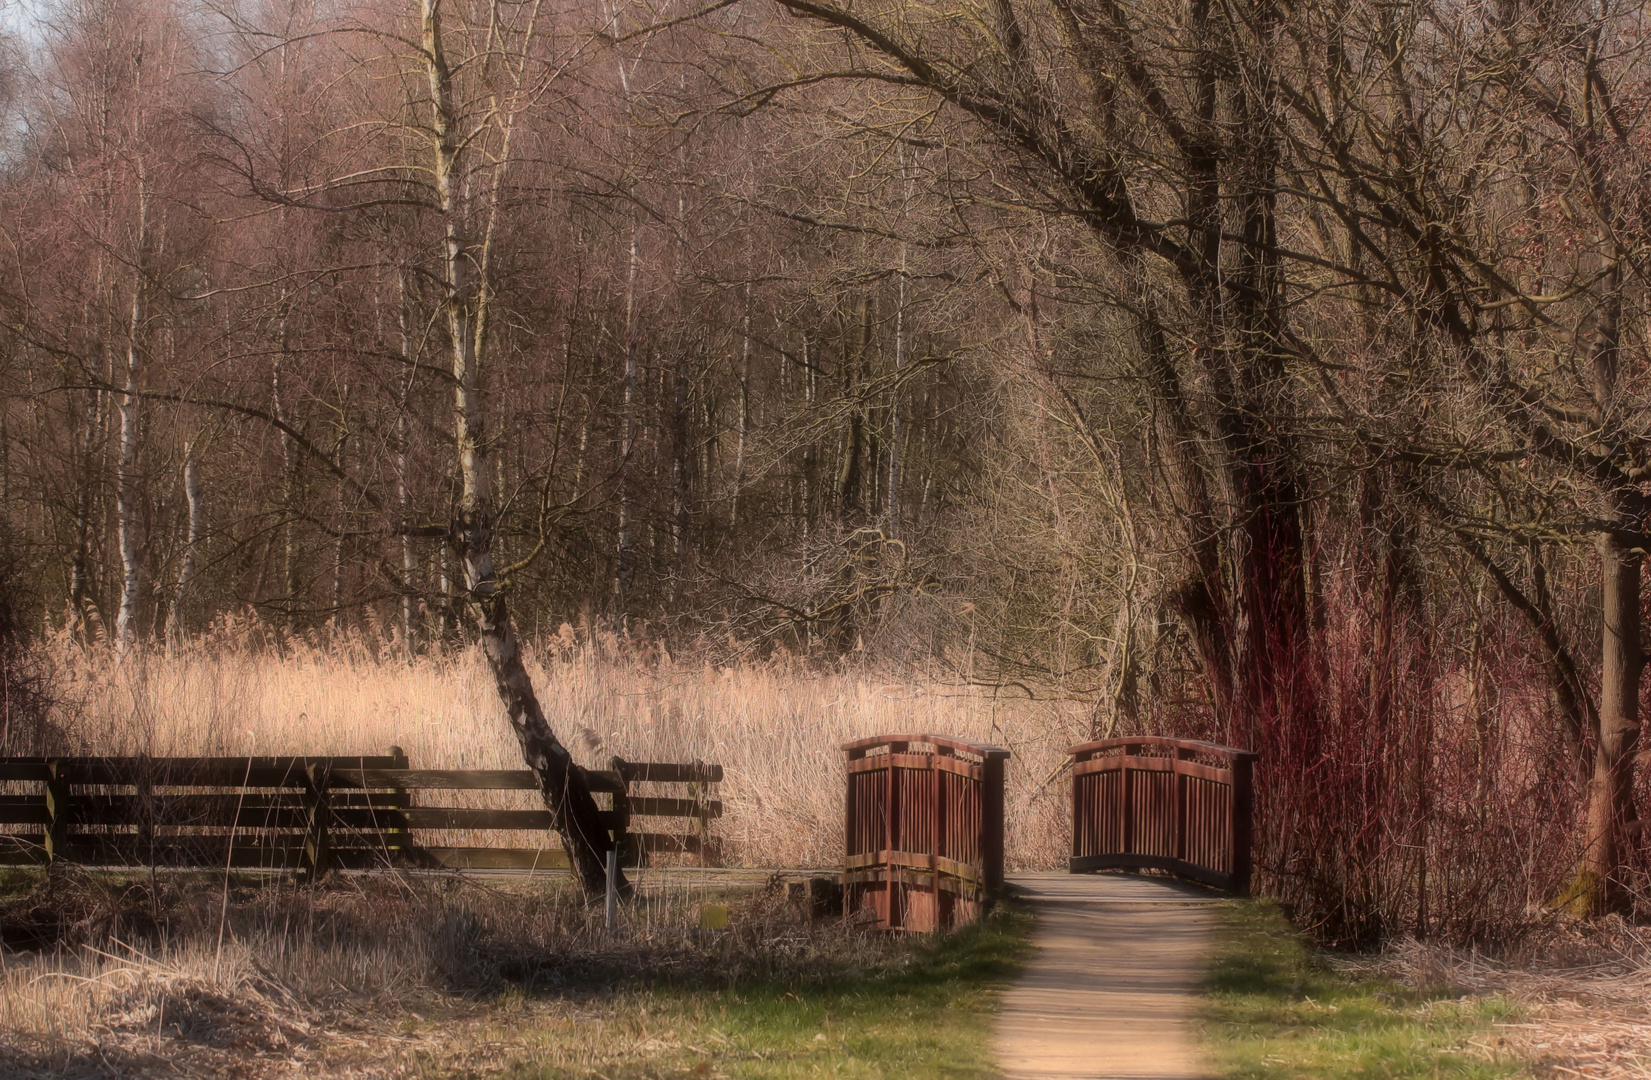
[
  {"x": 923, "y": 829},
  {"x": 316, "y": 813},
  {"x": 1163, "y": 804}
]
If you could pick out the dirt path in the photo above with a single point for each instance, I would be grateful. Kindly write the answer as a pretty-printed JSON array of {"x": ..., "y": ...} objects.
[{"x": 1109, "y": 994}]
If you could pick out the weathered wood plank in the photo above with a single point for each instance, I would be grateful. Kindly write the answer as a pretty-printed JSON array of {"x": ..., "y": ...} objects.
[
  {"x": 436, "y": 779},
  {"x": 483, "y": 858},
  {"x": 277, "y": 772},
  {"x": 24, "y": 810},
  {"x": 670, "y": 843},
  {"x": 22, "y": 849},
  {"x": 242, "y": 811},
  {"x": 662, "y": 772},
  {"x": 420, "y": 817},
  {"x": 128, "y": 849},
  {"x": 645, "y": 806}
]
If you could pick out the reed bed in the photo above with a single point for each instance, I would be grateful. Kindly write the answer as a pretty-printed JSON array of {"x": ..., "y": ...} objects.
[{"x": 775, "y": 725}]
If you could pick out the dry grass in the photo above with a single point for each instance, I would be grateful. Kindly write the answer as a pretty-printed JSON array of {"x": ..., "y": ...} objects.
[
  {"x": 395, "y": 975},
  {"x": 1583, "y": 992},
  {"x": 774, "y": 726},
  {"x": 380, "y": 976}
]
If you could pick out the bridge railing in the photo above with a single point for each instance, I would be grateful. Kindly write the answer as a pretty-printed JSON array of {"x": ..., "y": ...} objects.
[
  {"x": 923, "y": 829},
  {"x": 1152, "y": 803}
]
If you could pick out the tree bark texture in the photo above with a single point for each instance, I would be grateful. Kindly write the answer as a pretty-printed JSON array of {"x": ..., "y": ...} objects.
[
  {"x": 1612, "y": 820},
  {"x": 574, "y": 812}
]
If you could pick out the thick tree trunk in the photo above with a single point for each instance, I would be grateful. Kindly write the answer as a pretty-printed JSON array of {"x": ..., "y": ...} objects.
[{"x": 1612, "y": 821}]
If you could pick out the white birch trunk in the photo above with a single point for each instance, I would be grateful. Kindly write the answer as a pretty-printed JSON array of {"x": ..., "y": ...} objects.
[
  {"x": 177, "y": 624},
  {"x": 126, "y": 494},
  {"x": 562, "y": 784}
]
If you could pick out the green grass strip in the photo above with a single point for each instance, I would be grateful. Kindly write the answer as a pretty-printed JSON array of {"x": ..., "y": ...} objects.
[
  {"x": 1275, "y": 1009},
  {"x": 930, "y": 1016}
]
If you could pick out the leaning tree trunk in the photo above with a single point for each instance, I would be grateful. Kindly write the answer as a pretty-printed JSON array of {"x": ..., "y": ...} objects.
[
  {"x": 561, "y": 782},
  {"x": 574, "y": 813}
]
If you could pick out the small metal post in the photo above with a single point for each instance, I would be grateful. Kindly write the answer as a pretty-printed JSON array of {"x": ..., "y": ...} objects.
[{"x": 613, "y": 893}]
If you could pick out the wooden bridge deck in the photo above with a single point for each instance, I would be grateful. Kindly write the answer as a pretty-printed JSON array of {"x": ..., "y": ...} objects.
[{"x": 1110, "y": 992}]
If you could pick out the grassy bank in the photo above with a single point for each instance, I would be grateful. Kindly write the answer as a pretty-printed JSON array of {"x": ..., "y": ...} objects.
[
  {"x": 923, "y": 1011},
  {"x": 1277, "y": 1008},
  {"x": 105, "y": 975}
]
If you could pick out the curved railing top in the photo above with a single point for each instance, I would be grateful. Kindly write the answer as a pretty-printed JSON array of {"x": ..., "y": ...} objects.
[
  {"x": 943, "y": 743},
  {"x": 1083, "y": 750}
]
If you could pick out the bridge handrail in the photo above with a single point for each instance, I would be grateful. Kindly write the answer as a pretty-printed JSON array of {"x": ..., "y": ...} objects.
[
  {"x": 1084, "y": 751},
  {"x": 857, "y": 748},
  {"x": 1163, "y": 810}
]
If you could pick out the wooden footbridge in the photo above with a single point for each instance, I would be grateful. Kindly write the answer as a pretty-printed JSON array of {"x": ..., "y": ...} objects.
[{"x": 924, "y": 821}]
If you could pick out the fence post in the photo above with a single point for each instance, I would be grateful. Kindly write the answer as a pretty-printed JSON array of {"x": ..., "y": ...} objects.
[
  {"x": 700, "y": 792},
  {"x": 146, "y": 809},
  {"x": 57, "y": 806},
  {"x": 395, "y": 837},
  {"x": 316, "y": 812},
  {"x": 622, "y": 840},
  {"x": 611, "y": 909},
  {"x": 991, "y": 820},
  {"x": 1243, "y": 811}
]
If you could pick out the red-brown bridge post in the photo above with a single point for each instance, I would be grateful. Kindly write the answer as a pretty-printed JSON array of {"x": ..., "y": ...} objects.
[
  {"x": 923, "y": 829},
  {"x": 1152, "y": 803}
]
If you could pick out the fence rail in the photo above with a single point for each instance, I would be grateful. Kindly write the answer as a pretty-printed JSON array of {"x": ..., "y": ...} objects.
[
  {"x": 1152, "y": 803},
  {"x": 923, "y": 829},
  {"x": 313, "y": 814}
]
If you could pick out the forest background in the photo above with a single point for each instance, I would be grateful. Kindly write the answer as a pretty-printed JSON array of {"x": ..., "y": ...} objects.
[{"x": 1265, "y": 373}]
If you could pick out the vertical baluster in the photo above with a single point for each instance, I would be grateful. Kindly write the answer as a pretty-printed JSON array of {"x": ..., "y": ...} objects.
[
  {"x": 1128, "y": 839},
  {"x": 1182, "y": 792},
  {"x": 938, "y": 811},
  {"x": 891, "y": 826}
]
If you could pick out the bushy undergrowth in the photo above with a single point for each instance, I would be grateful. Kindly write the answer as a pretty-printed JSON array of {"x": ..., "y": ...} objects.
[{"x": 1404, "y": 788}]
